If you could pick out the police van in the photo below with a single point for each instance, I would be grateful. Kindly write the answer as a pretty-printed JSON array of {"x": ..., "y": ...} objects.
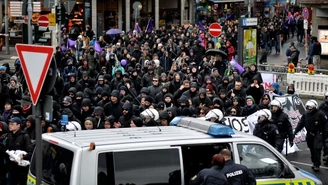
[{"x": 158, "y": 155}]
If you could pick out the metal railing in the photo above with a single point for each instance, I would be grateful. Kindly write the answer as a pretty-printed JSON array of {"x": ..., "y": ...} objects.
[{"x": 305, "y": 84}]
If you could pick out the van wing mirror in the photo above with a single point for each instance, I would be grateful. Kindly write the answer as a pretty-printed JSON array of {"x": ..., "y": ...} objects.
[{"x": 287, "y": 172}]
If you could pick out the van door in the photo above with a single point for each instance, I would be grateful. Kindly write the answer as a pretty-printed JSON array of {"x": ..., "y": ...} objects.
[
  {"x": 198, "y": 156},
  {"x": 265, "y": 165},
  {"x": 142, "y": 166}
]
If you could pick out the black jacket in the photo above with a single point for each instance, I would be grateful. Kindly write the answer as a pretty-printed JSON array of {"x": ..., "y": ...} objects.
[
  {"x": 238, "y": 174},
  {"x": 210, "y": 176},
  {"x": 281, "y": 120},
  {"x": 314, "y": 122},
  {"x": 19, "y": 141},
  {"x": 267, "y": 131}
]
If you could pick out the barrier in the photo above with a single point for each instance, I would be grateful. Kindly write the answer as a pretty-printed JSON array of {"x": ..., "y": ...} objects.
[{"x": 305, "y": 84}]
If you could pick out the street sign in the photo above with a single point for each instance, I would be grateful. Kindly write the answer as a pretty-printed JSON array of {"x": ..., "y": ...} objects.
[
  {"x": 52, "y": 19},
  {"x": 43, "y": 21},
  {"x": 306, "y": 24},
  {"x": 249, "y": 22},
  {"x": 215, "y": 29},
  {"x": 305, "y": 13},
  {"x": 35, "y": 61}
]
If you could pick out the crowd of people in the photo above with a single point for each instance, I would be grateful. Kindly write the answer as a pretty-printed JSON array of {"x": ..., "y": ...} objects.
[{"x": 146, "y": 79}]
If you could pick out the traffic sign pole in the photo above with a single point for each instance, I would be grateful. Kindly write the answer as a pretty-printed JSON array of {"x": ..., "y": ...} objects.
[
  {"x": 29, "y": 23},
  {"x": 6, "y": 27},
  {"x": 36, "y": 110}
]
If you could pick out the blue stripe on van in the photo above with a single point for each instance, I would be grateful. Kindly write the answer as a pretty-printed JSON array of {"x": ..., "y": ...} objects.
[{"x": 309, "y": 174}]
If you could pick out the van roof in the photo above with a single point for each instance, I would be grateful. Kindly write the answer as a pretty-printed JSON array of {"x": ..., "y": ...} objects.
[{"x": 134, "y": 135}]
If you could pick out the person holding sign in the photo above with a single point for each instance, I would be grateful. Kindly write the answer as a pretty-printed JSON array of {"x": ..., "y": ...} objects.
[{"x": 281, "y": 120}]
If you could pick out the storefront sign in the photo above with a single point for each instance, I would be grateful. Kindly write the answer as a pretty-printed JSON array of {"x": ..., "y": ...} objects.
[
  {"x": 249, "y": 22},
  {"x": 52, "y": 19}
]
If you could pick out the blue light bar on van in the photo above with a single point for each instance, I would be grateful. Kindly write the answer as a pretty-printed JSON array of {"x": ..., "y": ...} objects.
[{"x": 213, "y": 129}]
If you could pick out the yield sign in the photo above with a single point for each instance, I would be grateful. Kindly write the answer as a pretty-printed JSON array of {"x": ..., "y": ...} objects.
[{"x": 35, "y": 62}]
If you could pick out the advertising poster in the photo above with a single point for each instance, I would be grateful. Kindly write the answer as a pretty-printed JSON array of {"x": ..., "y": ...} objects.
[
  {"x": 323, "y": 39},
  {"x": 249, "y": 46}
]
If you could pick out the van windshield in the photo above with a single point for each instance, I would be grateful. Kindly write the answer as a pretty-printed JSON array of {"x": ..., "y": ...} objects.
[{"x": 56, "y": 164}]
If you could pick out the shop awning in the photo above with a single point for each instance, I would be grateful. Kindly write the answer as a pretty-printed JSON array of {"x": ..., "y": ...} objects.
[{"x": 225, "y": 1}]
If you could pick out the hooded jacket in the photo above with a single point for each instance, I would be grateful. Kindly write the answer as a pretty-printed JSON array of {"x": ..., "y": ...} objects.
[
  {"x": 251, "y": 74},
  {"x": 198, "y": 100},
  {"x": 112, "y": 108},
  {"x": 125, "y": 120},
  {"x": 255, "y": 92}
]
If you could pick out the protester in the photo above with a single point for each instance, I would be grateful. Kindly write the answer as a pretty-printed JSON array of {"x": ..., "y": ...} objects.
[{"x": 139, "y": 79}]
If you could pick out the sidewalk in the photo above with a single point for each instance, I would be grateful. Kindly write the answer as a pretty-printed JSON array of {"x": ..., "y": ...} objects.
[
  {"x": 281, "y": 59},
  {"x": 10, "y": 58}
]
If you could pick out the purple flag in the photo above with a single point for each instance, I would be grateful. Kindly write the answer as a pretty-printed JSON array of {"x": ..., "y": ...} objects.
[
  {"x": 71, "y": 43},
  {"x": 63, "y": 48},
  {"x": 149, "y": 27},
  {"x": 98, "y": 48},
  {"x": 236, "y": 65},
  {"x": 137, "y": 28},
  {"x": 201, "y": 27},
  {"x": 201, "y": 40}
]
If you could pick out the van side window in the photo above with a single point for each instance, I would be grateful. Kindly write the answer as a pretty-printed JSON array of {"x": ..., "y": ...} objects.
[
  {"x": 260, "y": 160},
  {"x": 160, "y": 166},
  {"x": 198, "y": 157}
]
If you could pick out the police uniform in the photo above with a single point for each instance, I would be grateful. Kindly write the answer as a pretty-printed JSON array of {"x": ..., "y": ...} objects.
[
  {"x": 210, "y": 176},
  {"x": 267, "y": 131},
  {"x": 315, "y": 123},
  {"x": 324, "y": 107},
  {"x": 238, "y": 174},
  {"x": 281, "y": 120}
]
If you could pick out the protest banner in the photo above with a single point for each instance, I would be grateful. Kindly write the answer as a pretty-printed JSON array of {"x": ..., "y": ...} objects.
[{"x": 294, "y": 108}]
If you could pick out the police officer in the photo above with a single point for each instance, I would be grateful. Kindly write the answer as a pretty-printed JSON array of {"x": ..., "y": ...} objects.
[
  {"x": 315, "y": 123},
  {"x": 324, "y": 107},
  {"x": 211, "y": 175},
  {"x": 280, "y": 119},
  {"x": 266, "y": 129},
  {"x": 236, "y": 174},
  {"x": 215, "y": 115}
]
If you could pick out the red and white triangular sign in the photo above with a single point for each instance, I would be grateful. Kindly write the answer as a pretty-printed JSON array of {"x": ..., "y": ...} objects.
[{"x": 35, "y": 61}]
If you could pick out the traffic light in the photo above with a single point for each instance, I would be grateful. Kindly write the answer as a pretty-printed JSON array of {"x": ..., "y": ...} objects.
[
  {"x": 61, "y": 14},
  {"x": 39, "y": 34}
]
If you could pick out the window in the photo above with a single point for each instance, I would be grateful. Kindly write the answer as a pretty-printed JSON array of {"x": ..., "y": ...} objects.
[
  {"x": 56, "y": 164},
  {"x": 260, "y": 160},
  {"x": 198, "y": 157},
  {"x": 160, "y": 166}
]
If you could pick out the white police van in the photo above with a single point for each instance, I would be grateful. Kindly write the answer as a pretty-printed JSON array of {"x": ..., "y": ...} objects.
[{"x": 158, "y": 155}]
